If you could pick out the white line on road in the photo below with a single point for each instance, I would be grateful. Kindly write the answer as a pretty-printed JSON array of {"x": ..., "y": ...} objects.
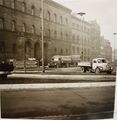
[{"x": 54, "y": 85}]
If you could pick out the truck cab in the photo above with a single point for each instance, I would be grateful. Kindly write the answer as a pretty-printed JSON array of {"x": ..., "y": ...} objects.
[
  {"x": 101, "y": 65},
  {"x": 97, "y": 65}
]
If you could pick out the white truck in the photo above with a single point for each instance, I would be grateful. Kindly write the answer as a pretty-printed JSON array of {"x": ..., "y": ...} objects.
[{"x": 97, "y": 65}]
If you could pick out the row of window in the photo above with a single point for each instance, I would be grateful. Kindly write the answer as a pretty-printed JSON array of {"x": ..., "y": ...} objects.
[
  {"x": 33, "y": 30},
  {"x": 81, "y": 27},
  {"x": 76, "y": 50},
  {"x": 61, "y": 51},
  {"x": 37, "y": 12}
]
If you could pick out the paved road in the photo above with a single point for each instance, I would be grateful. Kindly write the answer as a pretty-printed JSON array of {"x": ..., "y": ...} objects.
[
  {"x": 53, "y": 78},
  {"x": 58, "y": 103}
]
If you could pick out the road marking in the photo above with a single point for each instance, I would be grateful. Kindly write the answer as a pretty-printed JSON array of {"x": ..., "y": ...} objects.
[{"x": 54, "y": 85}]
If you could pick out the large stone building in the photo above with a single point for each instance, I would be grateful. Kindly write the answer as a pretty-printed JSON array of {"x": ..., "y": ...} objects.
[{"x": 20, "y": 31}]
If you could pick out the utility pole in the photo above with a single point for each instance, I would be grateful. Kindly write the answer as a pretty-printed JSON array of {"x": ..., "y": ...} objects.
[
  {"x": 42, "y": 19},
  {"x": 82, "y": 19}
]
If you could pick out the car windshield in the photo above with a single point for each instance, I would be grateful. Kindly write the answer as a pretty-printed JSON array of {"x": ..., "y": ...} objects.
[{"x": 102, "y": 61}]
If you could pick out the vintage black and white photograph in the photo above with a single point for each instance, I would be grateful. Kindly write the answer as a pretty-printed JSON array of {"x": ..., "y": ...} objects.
[{"x": 58, "y": 59}]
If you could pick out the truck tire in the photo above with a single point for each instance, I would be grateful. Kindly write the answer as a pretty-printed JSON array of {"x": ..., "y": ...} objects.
[
  {"x": 109, "y": 72},
  {"x": 97, "y": 71},
  {"x": 84, "y": 69}
]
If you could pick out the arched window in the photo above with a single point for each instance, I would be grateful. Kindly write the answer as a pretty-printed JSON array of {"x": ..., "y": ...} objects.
[
  {"x": 28, "y": 48},
  {"x": 48, "y": 16},
  {"x": 13, "y": 4},
  {"x": 55, "y": 18},
  {"x": 13, "y": 26},
  {"x": 1, "y": 23},
  {"x": 23, "y": 7},
  {"x": 32, "y": 10},
  {"x": 23, "y": 27},
  {"x": 36, "y": 50},
  {"x": 33, "y": 29}
]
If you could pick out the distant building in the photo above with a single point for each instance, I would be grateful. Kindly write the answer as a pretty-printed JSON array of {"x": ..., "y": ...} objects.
[{"x": 106, "y": 49}]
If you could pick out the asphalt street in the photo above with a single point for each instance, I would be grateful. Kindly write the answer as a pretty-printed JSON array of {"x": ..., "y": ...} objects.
[{"x": 59, "y": 103}]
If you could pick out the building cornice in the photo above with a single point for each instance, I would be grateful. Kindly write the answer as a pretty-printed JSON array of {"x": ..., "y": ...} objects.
[{"x": 55, "y": 4}]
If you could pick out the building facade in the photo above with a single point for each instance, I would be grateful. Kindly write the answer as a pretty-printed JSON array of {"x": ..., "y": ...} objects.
[{"x": 64, "y": 34}]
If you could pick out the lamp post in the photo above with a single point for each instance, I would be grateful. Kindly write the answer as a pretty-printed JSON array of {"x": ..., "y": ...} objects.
[
  {"x": 114, "y": 48},
  {"x": 82, "y": 53},
  {"x": 42, "y": 18}
]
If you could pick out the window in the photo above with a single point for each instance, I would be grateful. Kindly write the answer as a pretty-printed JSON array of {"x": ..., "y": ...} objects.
[
  {"x": 78, "y": 39},
  {"x": 55, "y": 50},
  {"x": 66, "y": 21},
  {"x": 77, "y": 50},
  {"x": 61, "y": 20},
  {"x": 48, "y": 16},
  {"x": 40, "y": 12},
  {"x": 23, "y": 27},
  {"x": 1, "y": 23},
  {"x": 13, "y": 26},
  {"x": 33, "y": 29},
  {"x": 73, "y": 50},
  {"x": 66, "y": 51},
  {"x": 13, "y": 4},
  {"x": 1, "y": 2},
  {"x": 32, "y": 10},
  {"x": 48, "y": 33},
  {"x": 55, "y": 34},
  {"x": 23, "y": 7},
  {"x": 61, "y": 35},
  {"x": 55, "y": 18},
  {"x": 61, "y": 51}
]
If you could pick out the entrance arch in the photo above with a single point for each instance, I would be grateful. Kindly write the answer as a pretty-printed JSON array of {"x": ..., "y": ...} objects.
[
  {"x": 28, "y": 48},
  {"x": 36, "y": 50}
]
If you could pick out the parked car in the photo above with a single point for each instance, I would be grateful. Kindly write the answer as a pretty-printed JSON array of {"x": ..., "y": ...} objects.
[{"x": 6, "y": 68}]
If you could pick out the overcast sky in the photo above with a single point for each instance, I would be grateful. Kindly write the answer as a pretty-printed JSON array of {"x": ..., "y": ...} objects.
[{"x": 103, "y": 11}]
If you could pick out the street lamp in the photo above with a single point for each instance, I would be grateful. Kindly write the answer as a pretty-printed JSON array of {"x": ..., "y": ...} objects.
[
  {"x": 42, "y": 18},
  {"x": 114, "y": 47},
  {"x": 82, "y": 53}
]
